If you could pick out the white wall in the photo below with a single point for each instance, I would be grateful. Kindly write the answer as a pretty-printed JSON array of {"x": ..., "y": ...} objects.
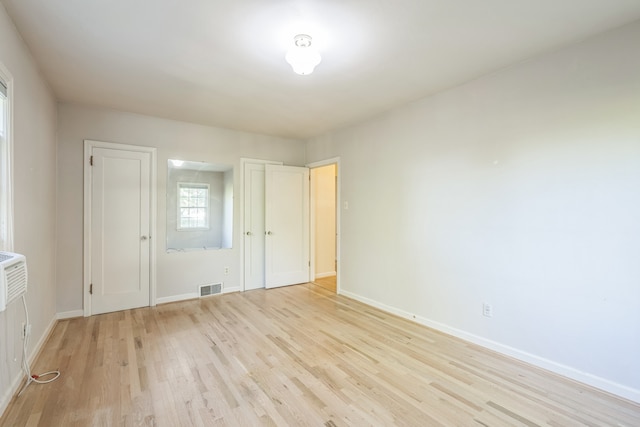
[
  {"x": 178, "y": 274},
  {"x": 520, "y": 189},
  {"x": 34, "y": 159}
]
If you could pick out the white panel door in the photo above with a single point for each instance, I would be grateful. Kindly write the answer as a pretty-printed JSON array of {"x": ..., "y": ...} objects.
[
  {"x": 120, "y": 228},
  {"x": 254, "y": 231},
  {"x": 287, "y": 225}
]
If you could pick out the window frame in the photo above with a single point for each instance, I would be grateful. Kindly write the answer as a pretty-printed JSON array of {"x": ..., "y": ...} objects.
[
  {"x": 6, "y": 166},
  {"x": 207, "y": 208}
]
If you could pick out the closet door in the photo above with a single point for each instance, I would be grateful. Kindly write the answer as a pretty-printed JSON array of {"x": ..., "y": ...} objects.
[
  {"x": 119, "y": 239},
  {"x": 254, "y": 231},
  {"x": 286, "y": 225}
]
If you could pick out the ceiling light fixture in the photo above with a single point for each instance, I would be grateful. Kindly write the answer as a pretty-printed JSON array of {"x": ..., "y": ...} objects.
[
  {"x": 302, "y": 57},
  {"x": 177, "y": 163}
]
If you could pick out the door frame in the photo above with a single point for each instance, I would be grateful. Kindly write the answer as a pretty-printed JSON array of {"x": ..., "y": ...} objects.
[
  {"x": 312, "y": 222},
  {"x": 89, "y": 145},
  {"x": 243, "y": 162}
]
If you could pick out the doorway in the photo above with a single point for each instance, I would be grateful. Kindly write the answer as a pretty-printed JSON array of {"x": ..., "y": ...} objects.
[
  {"x": 324, "y": 224},
  {"x": 254, "y": 243}
]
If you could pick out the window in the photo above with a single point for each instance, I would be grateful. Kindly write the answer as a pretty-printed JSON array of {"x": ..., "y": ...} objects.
[
  {"x": 193, "y": 206},
  {"x": 215, "y": 180},
  {"x": 6, "y": 235},
  {"x": 3, "y": 110}
]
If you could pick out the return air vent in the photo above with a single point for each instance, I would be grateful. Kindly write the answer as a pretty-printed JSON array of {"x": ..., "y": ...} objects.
[
  {"x": 211, "y": 289},
  {"x": 13, "y": 277}
]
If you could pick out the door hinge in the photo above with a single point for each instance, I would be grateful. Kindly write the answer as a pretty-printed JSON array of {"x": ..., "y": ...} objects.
[
  {"x": 309, "y": 263},
  {"x": 91, "y": 289},
  {"x": 91, "y": 161}
]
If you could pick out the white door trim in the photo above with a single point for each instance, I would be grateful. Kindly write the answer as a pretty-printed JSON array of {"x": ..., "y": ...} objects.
[
  {"x": 312, "y": 224},
  {"x": 86, "y": 279},
  {"x": 243, "y": 162}
]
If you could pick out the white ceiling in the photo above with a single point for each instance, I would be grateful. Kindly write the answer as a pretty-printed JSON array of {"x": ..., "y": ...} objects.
[{"x": 221, "y": 62}]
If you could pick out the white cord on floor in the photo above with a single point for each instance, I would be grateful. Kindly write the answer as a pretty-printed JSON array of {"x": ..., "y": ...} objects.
[{"x": 32, "y": 378}]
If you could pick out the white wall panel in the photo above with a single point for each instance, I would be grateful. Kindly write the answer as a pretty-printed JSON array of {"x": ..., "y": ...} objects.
[
  {"x": 178, "y": 273},
  {"x": 520, "y": 189},
  {"x": 34, "y": 194}
]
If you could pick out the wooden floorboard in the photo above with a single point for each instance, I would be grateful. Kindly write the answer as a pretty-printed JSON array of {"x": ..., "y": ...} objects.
[
  {"x": 300, "y": 356},
  {"x": 328, "y": 283}
]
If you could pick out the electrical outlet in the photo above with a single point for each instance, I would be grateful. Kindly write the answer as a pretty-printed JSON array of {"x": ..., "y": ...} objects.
[
  {"x": 226, "y": 270},
  {"x": 487, "y": 310},
  {"x": 25, "y": 330}
]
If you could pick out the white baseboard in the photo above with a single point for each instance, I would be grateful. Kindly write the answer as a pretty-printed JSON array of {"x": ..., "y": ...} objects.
[
  {"x": 176, "y": 298},
  {"x": 558, "y": 368},
  {"x": 17, "y": 380},
  {"x": 326, "y": 274},
  {"x": 70, "y": 314},
  {"x": 43, "y": 338},
  {"x": 230, "y": 289},
  {"x": 194, "y": 295}
]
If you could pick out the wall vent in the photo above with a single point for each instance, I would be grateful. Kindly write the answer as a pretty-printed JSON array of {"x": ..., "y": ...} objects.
[
  {"x": 13, "y": 277},
  {"x": 211, "y": 289}
]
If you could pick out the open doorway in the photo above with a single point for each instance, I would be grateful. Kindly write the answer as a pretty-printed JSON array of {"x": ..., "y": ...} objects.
[{"x": 324, "y": 226}]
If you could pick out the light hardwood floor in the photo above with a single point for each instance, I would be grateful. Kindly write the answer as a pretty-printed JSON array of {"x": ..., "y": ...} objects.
[
  {"x": 298, "y": 356},
  {"x": 329, "y": 283}
]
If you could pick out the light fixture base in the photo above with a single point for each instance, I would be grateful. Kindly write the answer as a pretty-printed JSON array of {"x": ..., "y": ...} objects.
[{"x": 302, "y": 40}]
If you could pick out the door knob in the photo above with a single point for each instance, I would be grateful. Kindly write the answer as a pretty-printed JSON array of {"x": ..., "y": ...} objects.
[
  {"x": 248, "y": 233},
  {"x": 143, "y": 238},
  {"x": 268, "y": 233}
]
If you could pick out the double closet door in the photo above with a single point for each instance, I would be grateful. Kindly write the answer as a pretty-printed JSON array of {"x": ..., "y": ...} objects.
[{"x": 276, "y": 225}]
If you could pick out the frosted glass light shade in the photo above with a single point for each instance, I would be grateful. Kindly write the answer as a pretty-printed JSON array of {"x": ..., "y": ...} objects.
[{"x": 302, "y": 57}]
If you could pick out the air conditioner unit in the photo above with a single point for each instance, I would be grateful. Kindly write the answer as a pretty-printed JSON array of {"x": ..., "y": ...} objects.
[{"x": 13, "y": 277}]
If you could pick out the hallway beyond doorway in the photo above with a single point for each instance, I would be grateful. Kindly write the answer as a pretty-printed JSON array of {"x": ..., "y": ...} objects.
[{"x": 328, "y": 283}]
